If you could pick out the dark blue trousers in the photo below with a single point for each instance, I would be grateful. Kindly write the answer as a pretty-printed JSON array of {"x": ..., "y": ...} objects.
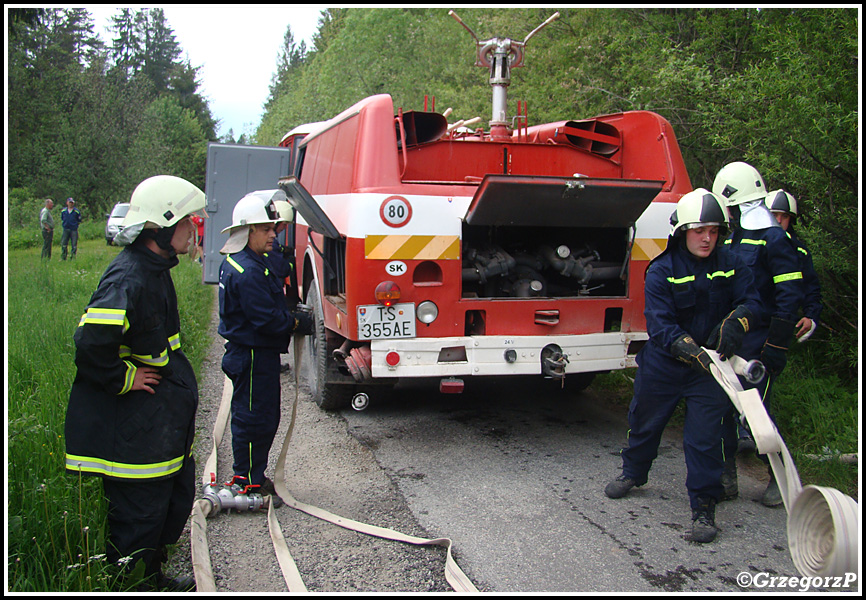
[
  {"x": 255, "y": 376},
  {"x": 658, "y": 389}
]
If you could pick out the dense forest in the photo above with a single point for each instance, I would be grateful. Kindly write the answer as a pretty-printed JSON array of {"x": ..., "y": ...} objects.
[{"x": 775, "y": 87}]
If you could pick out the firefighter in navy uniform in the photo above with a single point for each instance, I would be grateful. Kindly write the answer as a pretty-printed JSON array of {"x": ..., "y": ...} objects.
[
  {"x": 698, "y": 294},
  {"x": 783, "y": 206},
  {"x": 257, "y": 324},
  {"x": 131, "y": 412},
  {"x": 763, "y": 245}
]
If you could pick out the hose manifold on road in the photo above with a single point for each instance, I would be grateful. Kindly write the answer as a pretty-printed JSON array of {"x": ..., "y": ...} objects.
[{"x": 823, "y": 523}]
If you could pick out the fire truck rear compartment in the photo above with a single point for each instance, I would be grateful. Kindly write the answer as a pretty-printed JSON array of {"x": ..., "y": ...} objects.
[
  {"x": 527, "y": 237},
  {"x": 527, "y": 262}
]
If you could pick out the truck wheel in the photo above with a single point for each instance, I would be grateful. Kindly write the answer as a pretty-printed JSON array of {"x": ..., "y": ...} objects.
[{"x": 317, "y": 359}]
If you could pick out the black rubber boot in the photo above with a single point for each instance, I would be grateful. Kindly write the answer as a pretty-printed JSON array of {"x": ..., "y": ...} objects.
[
  {"x": 619, "y": 487},
  {"x": 772, "y": 496},
  {"x": 268, "y": 488},
  {"x": 704, "y": 528},
  {"x": 729, "y": 479},
  {"x": 183, "y": 583}
]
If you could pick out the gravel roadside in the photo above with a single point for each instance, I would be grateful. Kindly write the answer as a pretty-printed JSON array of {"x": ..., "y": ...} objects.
[{"x": 325, "y": 467}]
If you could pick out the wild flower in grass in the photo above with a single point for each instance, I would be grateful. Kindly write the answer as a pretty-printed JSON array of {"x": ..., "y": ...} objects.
[{"x": 123, "y": 561}]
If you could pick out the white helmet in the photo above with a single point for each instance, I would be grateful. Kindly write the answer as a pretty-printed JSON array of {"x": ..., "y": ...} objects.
[
  {"x": 700, "y": 208},
  {"x": 781, "y": 201},
  {"x": 253, "y": 209},
  {"x": 739, "y": 182},
  {"x": 159, "y": 202}
]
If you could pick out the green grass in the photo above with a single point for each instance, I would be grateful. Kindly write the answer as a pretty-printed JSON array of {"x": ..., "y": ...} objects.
[{"x": 57, "y": 527}]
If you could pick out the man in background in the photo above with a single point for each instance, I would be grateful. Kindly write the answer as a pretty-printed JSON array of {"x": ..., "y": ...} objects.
[
  {"x": 46, "y": 222},
  {"x": 71, "y": 219}
]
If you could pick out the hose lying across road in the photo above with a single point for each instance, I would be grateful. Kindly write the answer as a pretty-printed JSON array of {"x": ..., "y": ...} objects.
[
  {"x": 823, "y": 523},
  {"x": 198, "y": 535}
]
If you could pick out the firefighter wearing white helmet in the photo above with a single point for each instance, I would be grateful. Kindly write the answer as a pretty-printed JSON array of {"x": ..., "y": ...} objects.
[
  {"x": 160, "y": 202},
  {"x": 257, "y": 323},
  {"x": 783, "y": 206},
  {"x": 763, "y": 245},
  {"x": 743, "y": 190},
  {"x": 700, "y": 208},
  {"x": 698, "y": 294},
  {"x": 250, "y": 210},
  {"x": 131, "y": 413}
]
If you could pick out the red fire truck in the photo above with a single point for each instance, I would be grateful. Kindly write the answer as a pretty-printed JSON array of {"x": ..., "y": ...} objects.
[{"x": 435, "y": 250}]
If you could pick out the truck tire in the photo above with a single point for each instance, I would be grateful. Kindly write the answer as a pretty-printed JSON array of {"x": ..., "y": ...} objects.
[{"x": 317, "y": 363}]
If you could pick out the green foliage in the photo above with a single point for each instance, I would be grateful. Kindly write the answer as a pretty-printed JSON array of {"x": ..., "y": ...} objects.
[
  {"x": 75, "y": 116},
  {"x": 57, "y": 527},
  {"x": 169, "y": 143}
]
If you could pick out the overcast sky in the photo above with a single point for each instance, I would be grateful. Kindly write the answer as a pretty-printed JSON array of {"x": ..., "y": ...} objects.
[{"x": 236, "y": 48}]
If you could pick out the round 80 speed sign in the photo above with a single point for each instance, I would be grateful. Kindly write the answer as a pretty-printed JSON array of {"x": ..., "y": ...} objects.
[{"x": 395, "y": 211}]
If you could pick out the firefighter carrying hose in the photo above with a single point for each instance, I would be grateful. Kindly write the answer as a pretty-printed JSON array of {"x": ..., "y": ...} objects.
[
  {"x": 131, "y": 412},
  {"x": 257, "y": 324},
  {"x": 698, "y": 293},
  {"x": 762, "y": 243}
]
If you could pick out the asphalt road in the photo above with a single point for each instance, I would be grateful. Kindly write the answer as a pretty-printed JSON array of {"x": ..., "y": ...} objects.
[{"x": 514, "y": 472}]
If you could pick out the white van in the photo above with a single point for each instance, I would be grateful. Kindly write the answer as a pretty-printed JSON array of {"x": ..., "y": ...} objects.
[{"x": 113, "y": 226}]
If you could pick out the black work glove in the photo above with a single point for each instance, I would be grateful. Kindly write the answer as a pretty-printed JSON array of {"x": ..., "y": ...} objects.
[
  {"x": 774, "y": 354},
  {"x": 304, "y": 324},
  {"x": 687, "y": 350},
  {"x": 728, "y": 335}
]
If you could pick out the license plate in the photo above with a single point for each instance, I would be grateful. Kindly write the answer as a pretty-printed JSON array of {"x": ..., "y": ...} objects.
[{"x": 376, "y": 322}]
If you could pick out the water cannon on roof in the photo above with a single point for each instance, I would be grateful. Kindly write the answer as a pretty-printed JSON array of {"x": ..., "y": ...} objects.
[{"x": 500, "y": 55}]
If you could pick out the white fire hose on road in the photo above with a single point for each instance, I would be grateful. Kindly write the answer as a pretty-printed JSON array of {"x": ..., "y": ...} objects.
[
  {"x": 823, "y": 523},
  {"x": 216, "y": 499}
]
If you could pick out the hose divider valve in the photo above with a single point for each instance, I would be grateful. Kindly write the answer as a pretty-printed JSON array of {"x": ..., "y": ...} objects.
[{"x": 231, "y": 495}]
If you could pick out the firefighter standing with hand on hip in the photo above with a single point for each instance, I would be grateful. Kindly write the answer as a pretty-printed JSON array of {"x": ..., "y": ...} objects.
[
  {"x": 763, "y": 245},
  {"x": 257, "y": 324},
  {"x": 698, "y": 294},
  {"x": 131, "y": 412}
]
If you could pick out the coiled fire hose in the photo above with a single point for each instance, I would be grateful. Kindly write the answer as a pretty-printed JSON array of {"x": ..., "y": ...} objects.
[
  {"x": 203, "y": 507},
  {"x": 823, "y": 523}
]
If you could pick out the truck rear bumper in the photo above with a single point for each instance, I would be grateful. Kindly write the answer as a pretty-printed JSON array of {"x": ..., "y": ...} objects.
[{"x": 502, "y": 355}]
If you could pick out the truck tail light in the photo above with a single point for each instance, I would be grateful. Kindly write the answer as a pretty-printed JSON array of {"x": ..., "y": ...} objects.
[{"x": 387, "y": 293}]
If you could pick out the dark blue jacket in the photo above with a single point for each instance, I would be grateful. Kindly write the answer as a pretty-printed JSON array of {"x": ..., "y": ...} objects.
[
  {"x": 685, "y": 294},
  {"x": 253, "y": 309},
  {"x": 812, "y": 303},
  {"x": 71, "y": 220},
  {"x": 778, "y": 277}
]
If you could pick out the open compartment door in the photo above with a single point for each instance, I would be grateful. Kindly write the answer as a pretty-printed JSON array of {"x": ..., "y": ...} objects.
[
  {"x": 508, "y": 200},
  {"x": 303, "y": 202}
]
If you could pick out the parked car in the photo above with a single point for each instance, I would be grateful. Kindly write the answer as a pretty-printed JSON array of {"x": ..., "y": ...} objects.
[{"x": 113, "y": 226}]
